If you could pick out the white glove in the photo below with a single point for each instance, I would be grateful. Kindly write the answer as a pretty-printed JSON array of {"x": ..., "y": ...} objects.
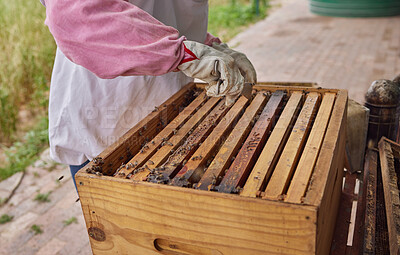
[
  {"x": 216, "y": 68},
  {"x": 245, "y": 66}
]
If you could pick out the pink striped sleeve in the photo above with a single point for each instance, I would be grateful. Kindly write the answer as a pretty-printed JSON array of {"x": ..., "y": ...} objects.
[{"x": 113, "y": 37}]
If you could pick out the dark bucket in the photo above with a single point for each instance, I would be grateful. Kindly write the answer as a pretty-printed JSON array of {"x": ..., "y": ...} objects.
[{"x": 383, "y": 121}]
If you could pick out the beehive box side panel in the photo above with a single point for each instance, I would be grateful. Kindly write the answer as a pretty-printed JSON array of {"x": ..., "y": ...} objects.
[
  {"x": 328, "y": 210},
  {"x": 391, "y": 193},
  {"x": 328, "y": 154},
  {"x": 133, "y": 216},
  {"x": 325, "y": 186}
]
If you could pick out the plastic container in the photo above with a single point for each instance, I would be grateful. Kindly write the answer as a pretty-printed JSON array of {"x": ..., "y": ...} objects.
[{"x": 355, "y": 8}]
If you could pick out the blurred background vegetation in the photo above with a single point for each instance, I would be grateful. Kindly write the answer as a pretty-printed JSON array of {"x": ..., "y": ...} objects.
[
  {"x": 26, "y": 59},
  {"x": 227, "y": 18}
]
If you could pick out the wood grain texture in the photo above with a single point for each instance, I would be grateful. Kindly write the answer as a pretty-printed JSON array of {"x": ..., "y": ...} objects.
[
  {"x": 232, "y": 144},
  {"x": 289, "y": 86},
  {"x": 272, "y": 149},
  {"x": 244, "y": 161},
  {"x": 325, "y": 185},
  {"x": 193, "y": 170},
  {"x": 130, "y": 143},
  {"x": 185, "y": 151},
  {"x": 176, "y": 140},
  {"x": 151, "y": 147},
  {"x": 370, "y": 175},
  {"x": 133, "y": 215},
  {"x": 370, "y": 163},
  {"x": 329, "y": 154},
  {"x": 310, "y": 153},
  {"x": 391, "y": 192},
  {"x": 285, "y": 167},
  {"x": 272, "y": 87}
]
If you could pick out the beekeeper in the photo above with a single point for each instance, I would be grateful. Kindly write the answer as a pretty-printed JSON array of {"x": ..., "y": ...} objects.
[{"x": 116, "y": 60}]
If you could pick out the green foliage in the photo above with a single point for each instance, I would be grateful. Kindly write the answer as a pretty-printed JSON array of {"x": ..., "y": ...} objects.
[
  {"x": 228, "y": 19},
  {"x": 8, "y": 113},
  {"x": 70, "y": 221},
  {"x": 36, "y": 229},
  {"x": 26, "y": 60},
  {"x": 42, "y": 198},
  {"x": 5, "y": 218},
  {"x": 22, "y": 154}
]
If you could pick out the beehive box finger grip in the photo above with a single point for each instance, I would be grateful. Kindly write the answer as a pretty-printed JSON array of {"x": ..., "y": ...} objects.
[{"x": 171, "y": 247}]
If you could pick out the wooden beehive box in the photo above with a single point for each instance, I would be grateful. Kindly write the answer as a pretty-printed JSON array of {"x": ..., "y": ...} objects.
[
  {"x": 389, "y": 154},
  {"x": 195, "y": 177}
]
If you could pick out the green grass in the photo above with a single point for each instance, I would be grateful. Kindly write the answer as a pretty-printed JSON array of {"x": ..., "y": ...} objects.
[
  {"x": 26, "y": 60},
  {"x": 228, "y": 18},
  {"x": 36, "y": 229},
  {"x": 42, "y": 198},
  {"x": 23, "y": 153},
  {"x": 5, "y": 218},
  {"x": 70, "y": 221}
]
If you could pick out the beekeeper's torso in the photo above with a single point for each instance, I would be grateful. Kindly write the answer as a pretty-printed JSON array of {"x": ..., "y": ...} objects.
[{"x": 87, "y": 114}]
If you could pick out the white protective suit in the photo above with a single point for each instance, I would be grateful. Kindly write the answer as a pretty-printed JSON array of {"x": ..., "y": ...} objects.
[{"x": 87, "y": 114}]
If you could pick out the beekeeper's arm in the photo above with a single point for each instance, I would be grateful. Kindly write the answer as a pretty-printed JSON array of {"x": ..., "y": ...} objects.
[{"x": 113, "y": 38}]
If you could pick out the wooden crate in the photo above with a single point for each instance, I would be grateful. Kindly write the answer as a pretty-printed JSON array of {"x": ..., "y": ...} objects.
[
  {"x": 195, "y": 177},
  {"x": 389, "y": 153}
]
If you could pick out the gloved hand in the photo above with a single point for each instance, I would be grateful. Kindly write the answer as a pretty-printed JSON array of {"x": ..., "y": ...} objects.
[
  {"x": 216, "y": 68},
  {"x": 245, "y": 66}
]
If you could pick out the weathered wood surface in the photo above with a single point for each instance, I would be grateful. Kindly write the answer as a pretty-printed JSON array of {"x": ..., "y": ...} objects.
[
  {"x": 272, "y": 149},
  {"x": 331, "y": 153},
  {"x": 325, "y": 186},
  {"x": 370, "y": 178},
  {"x": 193, "y": 170},
  {"x": 176, "y": 140},
  {"x": 151, "y": 147},
  {"x": 310, "y": 153},
  {"x": 232, "y": 144},
  {"x": 390, "y": 181},
  {"x": 130, "y": 143},
  {"x": 132, "y": 216},
  {"x": 302, "y": 85},
  {"x": 192, "y": 142},
  {"x": 284, "y": 169},
  {"x": 244, "y": 161}
]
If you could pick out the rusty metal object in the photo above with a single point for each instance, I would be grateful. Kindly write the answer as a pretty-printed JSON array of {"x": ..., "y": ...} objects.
[{"x": 382, "y": 99}]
